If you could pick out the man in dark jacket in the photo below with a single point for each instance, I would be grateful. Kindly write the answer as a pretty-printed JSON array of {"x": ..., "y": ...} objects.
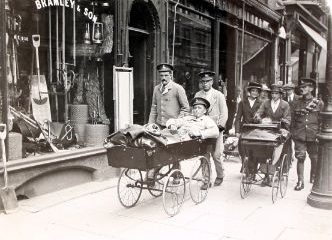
[
  {"x": 248, "y": 107},
  {"x": 304, "y": 128}
]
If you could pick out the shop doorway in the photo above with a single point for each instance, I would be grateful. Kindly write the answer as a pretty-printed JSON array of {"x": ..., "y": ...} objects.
[{"x": 141, "y": 55}]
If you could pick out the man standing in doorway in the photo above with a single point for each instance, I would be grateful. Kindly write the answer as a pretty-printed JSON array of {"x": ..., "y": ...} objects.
[
  {"x": 219, "y": 113},
  {"x": 304, "y": 128},
  {"x": 169, "y": 98}
]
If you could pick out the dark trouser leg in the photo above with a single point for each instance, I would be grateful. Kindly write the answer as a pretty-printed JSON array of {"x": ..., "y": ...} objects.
[
  {"x": 300, "y": 154},
  {"x": 312, "y": 148}
]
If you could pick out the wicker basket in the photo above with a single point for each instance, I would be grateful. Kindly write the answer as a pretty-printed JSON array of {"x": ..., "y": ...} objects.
[
  {"x": 79, "y": 113},
  {"x": 95, "y": 134}
]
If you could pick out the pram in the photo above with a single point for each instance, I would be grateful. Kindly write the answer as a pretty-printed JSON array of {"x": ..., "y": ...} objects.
[
  {"x": 266, "y": 154},
  {"x": 135, "y": 159}
]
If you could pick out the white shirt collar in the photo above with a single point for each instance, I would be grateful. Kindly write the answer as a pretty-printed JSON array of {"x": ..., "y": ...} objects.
[
  {"x": 251, "y": 102},
  {"x": 275, "y": 104}
]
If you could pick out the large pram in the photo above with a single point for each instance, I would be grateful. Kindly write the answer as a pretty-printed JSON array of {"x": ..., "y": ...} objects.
[
  {"x": 266, "y": 154},
  {"x": 167, "y": 181}
]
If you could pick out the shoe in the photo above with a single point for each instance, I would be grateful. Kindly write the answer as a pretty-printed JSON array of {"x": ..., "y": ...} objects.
[
  {"x": 218, "y": 182},
  {"x": 299, "y": 186},
  {"x": 205, "y": 186},
  {"x": 176, "y": 181},
  {"x": 266, "y": 181},
  {"x": 312, "y": 178}
]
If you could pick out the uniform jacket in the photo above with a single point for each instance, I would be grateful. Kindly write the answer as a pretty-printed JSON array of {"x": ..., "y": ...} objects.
[
  {"x": 305, "y": 126},
  {"x": 218, "y": 110},
  {"x": 281, "y": 114},
  {"x": 205, "y": 125},
  {"x": 245, "y": 113},
  {"x": 296, "y": 97},
  {"x": 172, "y": 103}
]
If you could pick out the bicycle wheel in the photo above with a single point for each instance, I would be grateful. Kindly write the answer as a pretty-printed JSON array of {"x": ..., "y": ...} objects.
[
  {"x": 173, "y": 192},
  {"x": 129, "y": 187},
  {"x": 200, "y": 180}
]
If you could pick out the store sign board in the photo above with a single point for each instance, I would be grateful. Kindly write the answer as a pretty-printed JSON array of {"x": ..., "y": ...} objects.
[
  {"x": 123, "y": 96},
  {"x": 40, "y": 4}
]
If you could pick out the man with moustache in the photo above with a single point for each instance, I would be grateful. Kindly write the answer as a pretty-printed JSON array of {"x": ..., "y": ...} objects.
[
  {"x": 219, "y": 113},
  {"x": 169, "y": 98},
  {"x": 304, "y": 128}
]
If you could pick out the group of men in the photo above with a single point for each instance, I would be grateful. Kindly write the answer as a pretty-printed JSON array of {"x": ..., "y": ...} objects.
[
  {"x": 299, "y": 114},
  {"x": 170, "y": 108}
]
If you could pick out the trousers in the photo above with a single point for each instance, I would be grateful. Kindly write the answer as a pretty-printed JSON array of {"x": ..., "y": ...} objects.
[
  {"x": 301, "y": 148},
  {"x": 217, "y": 156}
]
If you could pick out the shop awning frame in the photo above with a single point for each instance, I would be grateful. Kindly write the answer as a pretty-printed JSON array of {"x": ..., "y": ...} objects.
[{"x": 316, "y": 37}]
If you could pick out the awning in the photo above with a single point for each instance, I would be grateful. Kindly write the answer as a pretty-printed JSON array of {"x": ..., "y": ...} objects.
[{"x": 314, "y": 35}]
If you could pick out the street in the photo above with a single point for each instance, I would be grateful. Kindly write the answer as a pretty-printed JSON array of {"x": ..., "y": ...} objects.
[{"x": 92, "y": 211}]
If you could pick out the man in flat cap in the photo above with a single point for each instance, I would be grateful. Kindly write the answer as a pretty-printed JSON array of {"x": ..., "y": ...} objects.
[
  {"x": 304, "y": 128},
  {"x": 169, "y": 98},
  {"x": 290, "y": 96},
  {"x": 218, "y": 111}
]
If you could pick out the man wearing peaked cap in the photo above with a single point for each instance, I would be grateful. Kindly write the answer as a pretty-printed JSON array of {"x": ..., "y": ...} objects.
[
  {"x": 197, "y": 124},
  {"x": 218, "y": 111},
  {"x": 165, "y": 67},
  {"x": 304, "y": 128},
  {"x": 169, "y": 100}
]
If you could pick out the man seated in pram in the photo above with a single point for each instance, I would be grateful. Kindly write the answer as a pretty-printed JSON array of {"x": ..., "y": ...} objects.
[
  {"x": 270, "y": 111},
  {"x": 195, "y": 125}
]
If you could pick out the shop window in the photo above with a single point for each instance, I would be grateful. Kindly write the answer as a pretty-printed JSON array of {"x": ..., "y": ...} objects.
[
  {"x": 56, "y": 79},
  {"x": 194, "y": 53}
]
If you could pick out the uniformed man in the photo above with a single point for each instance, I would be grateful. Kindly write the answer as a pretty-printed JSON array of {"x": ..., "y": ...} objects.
[
  {"x": 219, "y": 113},
  {"x": 169, "y": 98},
  {"x": 304, "y": 128}
]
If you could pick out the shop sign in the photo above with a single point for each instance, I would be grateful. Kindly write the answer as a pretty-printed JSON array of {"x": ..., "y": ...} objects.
[{"x": 66, "y": 3}]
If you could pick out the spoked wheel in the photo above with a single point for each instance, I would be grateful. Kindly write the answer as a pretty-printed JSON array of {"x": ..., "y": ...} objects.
[
  {"x": 246, "y": 181},
  {"x": 200, "y": 180},
  {"x": 156, "y": 189},
  {"x": 129, "y": 187},
  {"x": 173, "y": 192},
  {"x": 275, "y": 185},
  {"x": 284, "y": 170}
]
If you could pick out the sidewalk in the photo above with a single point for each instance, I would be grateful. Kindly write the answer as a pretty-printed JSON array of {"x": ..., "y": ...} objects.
[{"x": 92, "y": 211}]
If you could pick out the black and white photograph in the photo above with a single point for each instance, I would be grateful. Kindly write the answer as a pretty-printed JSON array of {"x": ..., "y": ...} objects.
[{"x": 166, "y": 119}]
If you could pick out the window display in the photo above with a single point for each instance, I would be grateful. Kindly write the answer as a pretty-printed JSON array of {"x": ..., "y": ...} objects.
[{"x": 55, "y": 71}]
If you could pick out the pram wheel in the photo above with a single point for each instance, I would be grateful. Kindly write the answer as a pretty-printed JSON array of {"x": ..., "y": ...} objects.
[
  {"x": 173, "y": 192},
  {"x": 275, "y": 185},
  {"x": 200, "y": 180},
  {"x": 284, "y": 170},
  {"x": 246, "y": 180},
  {"x": 156, "y": 190},
  {"x": 129, "y": 187}
]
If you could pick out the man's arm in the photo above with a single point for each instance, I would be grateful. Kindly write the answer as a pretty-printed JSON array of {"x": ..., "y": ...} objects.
[
  {"x": 211, "y": 129},
  {"x": 183, "y": 102},
  {"x": 223, "y": 110},
  {"x": 153, "y": 112}
]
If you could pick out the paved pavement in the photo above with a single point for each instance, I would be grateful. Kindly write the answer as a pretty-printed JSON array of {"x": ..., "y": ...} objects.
[{"x": 93, "y": 212}]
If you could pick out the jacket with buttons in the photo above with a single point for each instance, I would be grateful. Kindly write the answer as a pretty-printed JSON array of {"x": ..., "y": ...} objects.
[
  {"x": 172, "y": 103},
  {"x": 305, "y": 124}
]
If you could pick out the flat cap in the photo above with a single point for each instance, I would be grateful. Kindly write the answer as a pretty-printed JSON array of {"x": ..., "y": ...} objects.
[
  {"x": 200, "y": 101},
  {"x": 206, "y": 74},
  {"x": 307, "y": 82},
  {"x": 165, "y": 67}
]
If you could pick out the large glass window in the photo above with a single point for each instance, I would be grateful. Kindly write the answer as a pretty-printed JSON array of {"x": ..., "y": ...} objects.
[
  {"x": 56, "y": 53},
  {"x": 192, "y": 46}
]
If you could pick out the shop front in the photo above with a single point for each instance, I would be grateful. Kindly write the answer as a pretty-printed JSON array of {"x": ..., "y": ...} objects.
[{"x": 63, "y": 68}]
